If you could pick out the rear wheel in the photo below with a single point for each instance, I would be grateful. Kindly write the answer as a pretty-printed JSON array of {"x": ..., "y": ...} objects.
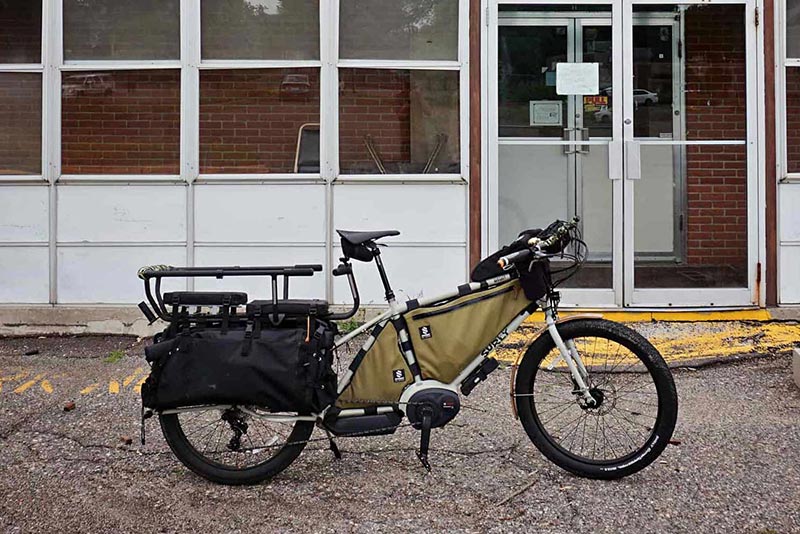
[
  {"x": 229, "y": 446},
  {"x": 635, "y": 404}
]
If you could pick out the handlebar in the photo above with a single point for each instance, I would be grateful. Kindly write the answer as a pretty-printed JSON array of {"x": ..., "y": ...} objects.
[{"x": 537, "y": 245}]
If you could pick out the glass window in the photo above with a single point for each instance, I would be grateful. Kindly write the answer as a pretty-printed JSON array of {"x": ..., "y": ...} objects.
[
  {"x": 20, "y": 31},
  {"x": 259, "y": 121},
  {"x": 255, "y": 29},
  {"x": 120, "y": 122},
  {"x": 793, "y": 28},
  {"x": 114, "y": 30},
  {"x": 398, "y": 121},
  {"x": 793, "y": 119},
  {"x": 20, "y": 123},
  {"x": 399, "y": 29},
  {"x": 527, "y": 78}
]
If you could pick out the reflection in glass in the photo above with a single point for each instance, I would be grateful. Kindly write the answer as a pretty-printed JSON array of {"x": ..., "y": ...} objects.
[
  {"x": 398, "y": 121},
  {"x": 120, "y": 122},
  {"x": 255, "y": 29},
  {"x": 20, "y": 31},
  {"x": 653, "y": 74},
  {"x": 259, "y": 121},
  {"x": 526, "y": 69},
  {"x": 20, "y": 123},
  {"x": 398, "y": 29},
  {"x": 109, "y": 29},
  {"x": 597, "y": 109}
]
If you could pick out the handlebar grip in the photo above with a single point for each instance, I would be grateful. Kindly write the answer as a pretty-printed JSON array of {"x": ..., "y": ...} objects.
[
  {"x": 148, "y": 270},
  {"x": 514, "y": 257},
  {"x": 560, "y": 232}
]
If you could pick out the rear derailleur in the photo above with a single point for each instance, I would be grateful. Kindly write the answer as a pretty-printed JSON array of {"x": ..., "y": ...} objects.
[{"x": 236, "y": 420}]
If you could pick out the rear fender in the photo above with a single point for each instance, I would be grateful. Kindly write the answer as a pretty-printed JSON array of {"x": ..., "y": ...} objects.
[{"x": 542, "y": 331}]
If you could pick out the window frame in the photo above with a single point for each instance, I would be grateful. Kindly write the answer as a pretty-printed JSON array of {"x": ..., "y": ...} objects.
[
  {"x": 783, "y": 64},
  {"x": 27, "y": 68},
  {"x": 461, "y": 64}
]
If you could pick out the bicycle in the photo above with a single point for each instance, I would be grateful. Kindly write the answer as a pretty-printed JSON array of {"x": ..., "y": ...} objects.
[{"x": 594, "y": 396}]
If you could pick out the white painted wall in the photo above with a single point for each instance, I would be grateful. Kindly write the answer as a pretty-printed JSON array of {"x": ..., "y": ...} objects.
[
  {"x": 789, "y": 239},
  {"x": 106, "y": 231}
]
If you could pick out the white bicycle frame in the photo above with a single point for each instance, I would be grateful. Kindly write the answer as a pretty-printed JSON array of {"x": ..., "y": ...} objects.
[{"x": 568, "y": 353}]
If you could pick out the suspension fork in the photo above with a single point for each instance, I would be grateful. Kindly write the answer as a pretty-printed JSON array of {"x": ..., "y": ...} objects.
[{"x": 569, "y": 353}]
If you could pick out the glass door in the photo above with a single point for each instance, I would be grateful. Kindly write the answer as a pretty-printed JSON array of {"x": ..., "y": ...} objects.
[
  {"x": 553, "y": 153},
  {"x": 689, "y": 130}
]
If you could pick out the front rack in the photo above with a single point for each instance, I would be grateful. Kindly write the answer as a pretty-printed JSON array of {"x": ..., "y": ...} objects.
[{"x": 159, "y": 272}]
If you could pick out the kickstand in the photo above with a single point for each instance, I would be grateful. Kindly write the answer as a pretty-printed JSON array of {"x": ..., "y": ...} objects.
[
  {"x": 333, "y": 447},
  {"x": 425, "y": 439}
]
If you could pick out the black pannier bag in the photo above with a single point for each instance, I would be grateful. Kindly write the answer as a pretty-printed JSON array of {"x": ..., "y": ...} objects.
[
  {"x": 533, "y": 277},
  {"x": 287, "y": 369}
]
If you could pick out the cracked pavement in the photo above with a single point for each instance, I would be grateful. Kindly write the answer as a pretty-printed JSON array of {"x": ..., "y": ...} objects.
[{"x": 736, "y": 467}]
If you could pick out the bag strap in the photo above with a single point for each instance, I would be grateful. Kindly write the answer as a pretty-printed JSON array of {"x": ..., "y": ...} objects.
[
  {"x": 257, "y": 324},
  {"x": 248, "y": 339},
  {"x": 225, "y": 308}
]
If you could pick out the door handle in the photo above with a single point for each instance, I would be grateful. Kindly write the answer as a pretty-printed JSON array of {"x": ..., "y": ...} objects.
[
  {"x": 633, "y": 160},
  {"x": 584, "y": 137},
  {"x": 615, "y": 160},
  {"x": 568, "y": 149}
]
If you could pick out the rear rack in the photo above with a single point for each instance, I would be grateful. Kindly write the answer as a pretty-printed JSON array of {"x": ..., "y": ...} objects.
[{"x": 158, "y": 272}]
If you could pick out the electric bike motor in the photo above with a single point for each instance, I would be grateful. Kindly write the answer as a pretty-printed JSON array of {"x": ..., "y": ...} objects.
[{"x": 440, "y": 404}]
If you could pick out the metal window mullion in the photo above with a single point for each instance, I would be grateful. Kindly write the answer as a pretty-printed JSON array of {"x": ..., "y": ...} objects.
[
  {"x": 227, "y": 64},
  {"x": 329, "y": 125},
  {"x": 190, "y": 117},
  {"x": 52, "y": 58},
  {"x": 464, "y": 119},
  {"x": 399, "y": 64}
]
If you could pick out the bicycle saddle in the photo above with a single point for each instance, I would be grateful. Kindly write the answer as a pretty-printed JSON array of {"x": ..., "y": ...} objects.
[{"x": 356, "y": 238}]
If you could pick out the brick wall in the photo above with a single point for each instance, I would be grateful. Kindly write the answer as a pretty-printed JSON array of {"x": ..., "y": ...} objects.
[
  {"x": 126, "y": 122},
  {"x": 250, "y": 119},
  {"x": 793, "y": 119},
  {"x": 20, "y": 31},
  {"x": 20, "y": 123},
  {"x": 715, "y": 109}
]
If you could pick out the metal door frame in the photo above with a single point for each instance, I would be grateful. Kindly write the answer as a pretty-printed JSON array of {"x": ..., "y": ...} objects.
[{"x": 685, "y": 297}]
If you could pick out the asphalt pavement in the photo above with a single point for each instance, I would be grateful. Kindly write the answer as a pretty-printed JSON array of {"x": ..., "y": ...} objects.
[{"x": 734, "y": 465}]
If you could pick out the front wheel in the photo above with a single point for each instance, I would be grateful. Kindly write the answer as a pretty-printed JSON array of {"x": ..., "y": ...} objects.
[{"x": 635, "y": 404}]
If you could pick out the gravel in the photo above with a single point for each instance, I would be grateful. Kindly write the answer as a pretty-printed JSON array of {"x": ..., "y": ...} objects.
[{"x": 736, "y": 467}]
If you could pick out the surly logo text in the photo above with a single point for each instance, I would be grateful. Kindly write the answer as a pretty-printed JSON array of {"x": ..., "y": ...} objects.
[{"x": 495, "y": 342}]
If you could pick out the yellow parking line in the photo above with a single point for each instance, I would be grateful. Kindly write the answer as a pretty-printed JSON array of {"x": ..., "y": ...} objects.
[
  {"x": 89, "y": 389},
  {"x": 113, "y": 387},
  {"x": 138, "y": 387},
  {"x": 47, "y": 386},
  {"x": 28, "y": 384},
  {"x": 130, "y": 378},
  {"x": 11, "y": 377}
]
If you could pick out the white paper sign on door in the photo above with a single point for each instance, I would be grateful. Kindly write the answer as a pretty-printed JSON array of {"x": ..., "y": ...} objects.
[{"x": 577, "y": 78}]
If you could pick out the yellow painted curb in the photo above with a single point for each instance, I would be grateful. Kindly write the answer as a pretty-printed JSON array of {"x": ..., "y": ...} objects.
[
  {"x": 667, "y": 316},
  {"x": 723, "y": 339}
]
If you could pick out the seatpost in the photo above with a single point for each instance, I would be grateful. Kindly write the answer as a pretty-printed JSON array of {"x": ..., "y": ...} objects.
[{"x": 382, "y": 271}]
